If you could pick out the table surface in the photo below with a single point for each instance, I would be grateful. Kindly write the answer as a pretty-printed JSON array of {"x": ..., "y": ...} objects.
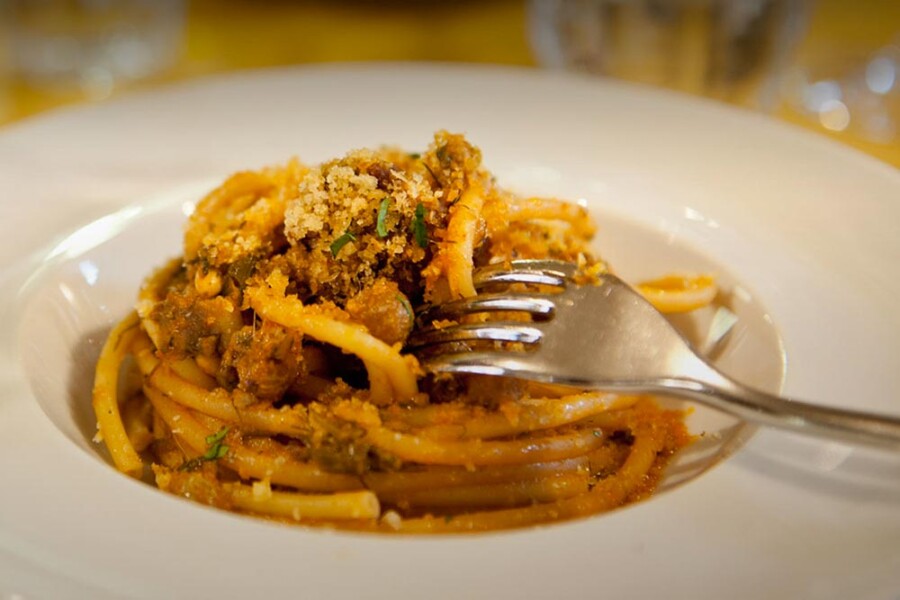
[{"x": 228, "y": 35}]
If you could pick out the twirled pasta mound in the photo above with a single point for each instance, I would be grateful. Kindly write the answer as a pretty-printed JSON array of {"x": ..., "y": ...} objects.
[{"x": 263, "y": 371}]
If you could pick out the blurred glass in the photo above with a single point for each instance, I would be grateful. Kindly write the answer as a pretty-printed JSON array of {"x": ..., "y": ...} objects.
[
  {"x": 733, "y": 50},
  {"x": 848, "y": 90},
  {"x": 92, "y": 45}
]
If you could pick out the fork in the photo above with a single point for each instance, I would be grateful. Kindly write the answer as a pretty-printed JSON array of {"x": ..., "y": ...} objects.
[{"x": 607, "y": 336}]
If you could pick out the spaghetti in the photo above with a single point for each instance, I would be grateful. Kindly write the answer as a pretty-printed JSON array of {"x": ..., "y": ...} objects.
[{"x": 273, "y": 378}]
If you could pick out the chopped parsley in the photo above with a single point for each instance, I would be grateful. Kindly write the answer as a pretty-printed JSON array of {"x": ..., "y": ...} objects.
[
  {"x": 414, "y": 155},
  {"x": 406, "y": 305},
  {"x": 380, "y": 225},
  {"x": 418, "y": 226},
  {"x": 215, "y": 450},
  {"x": 342, "y": 241}
]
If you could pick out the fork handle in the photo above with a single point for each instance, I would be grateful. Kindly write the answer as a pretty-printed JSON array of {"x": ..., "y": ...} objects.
[{"x": 719, "y": 391}]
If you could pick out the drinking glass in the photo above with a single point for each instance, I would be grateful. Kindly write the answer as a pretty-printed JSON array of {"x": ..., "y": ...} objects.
[
  {"x": 733, "y": 50},
  {"x": 92, "y": 44},
  {"x": 848, "y": 92}
]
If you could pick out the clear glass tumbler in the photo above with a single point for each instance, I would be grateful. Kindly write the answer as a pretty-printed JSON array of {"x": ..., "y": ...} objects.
[
  {"x": 733, "y": 50},
  {"x": 92, "y": 44},
  {"x": 852, "y": 92}
]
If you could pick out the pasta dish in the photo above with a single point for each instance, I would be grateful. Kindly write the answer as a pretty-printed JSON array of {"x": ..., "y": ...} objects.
[{"x": 264, "y": 371}]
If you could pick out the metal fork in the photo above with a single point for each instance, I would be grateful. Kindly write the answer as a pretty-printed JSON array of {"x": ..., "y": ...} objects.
[{"x": 608, "y": 337}]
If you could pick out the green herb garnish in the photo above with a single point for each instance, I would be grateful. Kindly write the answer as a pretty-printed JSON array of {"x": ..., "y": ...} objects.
[
  {"x": 406, "y": 306},
  {"x": 414, "y": 155},
  {"x": 215, "y": 450},
  {"x": 342, "y": 241},
  {"x": 380, "y": 225},
  {"x": 216, "y": 437},
  {"x": 418, "y": 226}
]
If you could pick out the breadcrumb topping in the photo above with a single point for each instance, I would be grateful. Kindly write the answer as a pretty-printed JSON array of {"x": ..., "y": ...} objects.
[{"x": 364, "y": 237}]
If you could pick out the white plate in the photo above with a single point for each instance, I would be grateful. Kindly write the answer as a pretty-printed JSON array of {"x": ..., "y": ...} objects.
[{"x": 813, "y": 229}]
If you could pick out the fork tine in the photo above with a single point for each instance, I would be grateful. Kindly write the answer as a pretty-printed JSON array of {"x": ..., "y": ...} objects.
[
  {"x": 499, "y": 331},
  {"x": 561, "y": 267},
  {"x": 484, "y": 279},
  {"x": 484, "y": 362},
  {"x": 535, "y": 272},
  {"x": 538, "y": 305}
]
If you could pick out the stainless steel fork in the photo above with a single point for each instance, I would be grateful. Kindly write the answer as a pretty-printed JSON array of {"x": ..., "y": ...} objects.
[{"x": 608, "y": 337}]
